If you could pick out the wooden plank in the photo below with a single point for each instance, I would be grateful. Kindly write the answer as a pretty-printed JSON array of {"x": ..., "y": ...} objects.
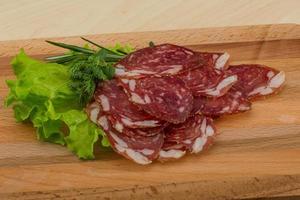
[
  {"x": 182, "y": 37},
  {"x": 256, "y": 153}
]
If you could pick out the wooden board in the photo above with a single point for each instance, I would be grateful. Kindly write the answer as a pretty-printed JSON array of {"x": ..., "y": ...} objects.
[{"x": 257, "y": 153}]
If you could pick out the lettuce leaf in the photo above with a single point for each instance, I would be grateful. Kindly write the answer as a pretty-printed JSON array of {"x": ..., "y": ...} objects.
[{"x": 41, "y": 94}]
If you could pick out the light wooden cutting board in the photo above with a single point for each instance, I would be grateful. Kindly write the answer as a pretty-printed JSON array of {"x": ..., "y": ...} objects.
[{"x": 257, "y": 153}]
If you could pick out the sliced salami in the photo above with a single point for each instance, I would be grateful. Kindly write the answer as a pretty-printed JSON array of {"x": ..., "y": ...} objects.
[
  {"x": 166, "y": 98},
  {"x": 114, "y": 101},
  {"x": 160, "y": 60},
  {"x": 135, "y": 131},
  {"x": 207, "y": 81},
  {"x": 141, "y": 149},
  {"x": 219, "y": 61},
  {"x": 195, "y": 134},
  {"x": 232, "y": 102},
  {"x": 257, "y": 80}
]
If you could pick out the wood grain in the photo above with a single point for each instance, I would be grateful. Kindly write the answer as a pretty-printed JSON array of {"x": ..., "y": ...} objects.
[
  {"x": 24, "y": 19},
  {"x": 256, "y": 153}
]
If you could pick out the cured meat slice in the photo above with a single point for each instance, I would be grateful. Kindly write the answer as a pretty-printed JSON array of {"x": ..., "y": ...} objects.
[
  {"x": 207, "y": 81},
  {"x": 219, "y": 61},
  {"x": 160, "y": 60},
  {"x": 195, "y": 134},
  {"x": 136, "y": 131},
  {"x": 232, "y": 102},
  {"x": 166, "y": 98},
  {"x": 97, "y": 116},
  {"x": 141, "y": 149},
  {"x": 257, "y": 80},
  {"x": 114, "y": 101}
]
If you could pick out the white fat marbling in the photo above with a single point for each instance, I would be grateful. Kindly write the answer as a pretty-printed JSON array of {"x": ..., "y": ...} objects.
[
  {"x": 147, "y": 152},
  {"x": 222, "y": 60},
  {"x": 132, "y": 84},
  {"x": 199, "y": 144},
  {"x": 145, "y": 123},
  {"x": 119, "y": 127},
  {"x": 147, "y": 99},
  {"x": 277, "y": 80},
  {"x": 181, "y": 109},
  {"x": 171, "y": 154},
  {"x": 126, "y": 81},
  {"x": 104, "y": 103},
  {"x": 227, "y": 82},
  {"x": 137, "y": 99},
  {"x": 174, "y": 69},
  {"x": 122, "y": 147},
  {"x": 209, "y": 131},
  {"x": 102, "y": 121},
  {"x": 134, "y": 155},
  {"x": 94, "y": 113}
]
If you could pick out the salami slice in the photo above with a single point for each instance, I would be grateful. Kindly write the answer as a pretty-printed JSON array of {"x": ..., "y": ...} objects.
[
  {"x": 114, "y": 101},
  {"x": 219, "y": 61},
  {"x": 130, "y": 144},
  {"x": 135, "y": 131},
  {"x": 142, "y": 150},
  {"x": 207, "y": 81},
  {"x": 160, "y": 60},
  {"x": 195, "y": 134},
  {"x": 97, "y": 116},
  {"x": 232, "y": 102},
  {"x": 257, "y": 80},
  {"x": 166, "y": 98}
]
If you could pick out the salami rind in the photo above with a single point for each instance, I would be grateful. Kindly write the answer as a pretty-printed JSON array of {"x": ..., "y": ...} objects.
[
  {"x": 166, "y": 98},
  {"x": 230, "y": 103},
  {"x": 160, "y": 60},
  {"x": 256, "y": 80},
  {"x": 114, "y": 101},
  {"x": 130, "y": 144},
  {"x": 194, "y": 135},
  {"x": 207, "y": 81}
]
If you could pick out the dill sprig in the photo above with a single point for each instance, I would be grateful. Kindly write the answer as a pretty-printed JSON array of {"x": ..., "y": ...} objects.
[{"x": 87, "y": 66}]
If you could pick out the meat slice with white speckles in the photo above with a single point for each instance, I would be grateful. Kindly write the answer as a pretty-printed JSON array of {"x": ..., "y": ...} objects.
[
  {"x": 114, "y": 101},
  {"x": 207, "y": 81},
  {"x": 257, "y": 80},
  {"x": 230, "y": 103},
  {"x": 140, "y": 145},
  {"x": 217, "y": 60},
  {"x": 166, "y": 98},
  {"x": 194, "y": 135},
  {"x": 160, "y": 60}
]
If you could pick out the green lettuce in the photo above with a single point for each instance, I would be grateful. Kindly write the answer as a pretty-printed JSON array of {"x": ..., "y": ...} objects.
[{"x": 41, "y": 94}]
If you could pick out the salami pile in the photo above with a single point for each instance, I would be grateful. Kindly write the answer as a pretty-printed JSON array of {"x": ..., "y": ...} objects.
[{"x": 164, "y": 99}]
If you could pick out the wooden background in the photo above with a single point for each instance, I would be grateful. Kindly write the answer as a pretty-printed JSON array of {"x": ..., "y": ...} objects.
[
  {"x": 26, "y": 19},
  {"x": 257, "y": 153}
]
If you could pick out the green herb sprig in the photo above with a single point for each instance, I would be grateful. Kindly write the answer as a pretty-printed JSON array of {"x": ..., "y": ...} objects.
[{"x": 88, "y": 66}]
